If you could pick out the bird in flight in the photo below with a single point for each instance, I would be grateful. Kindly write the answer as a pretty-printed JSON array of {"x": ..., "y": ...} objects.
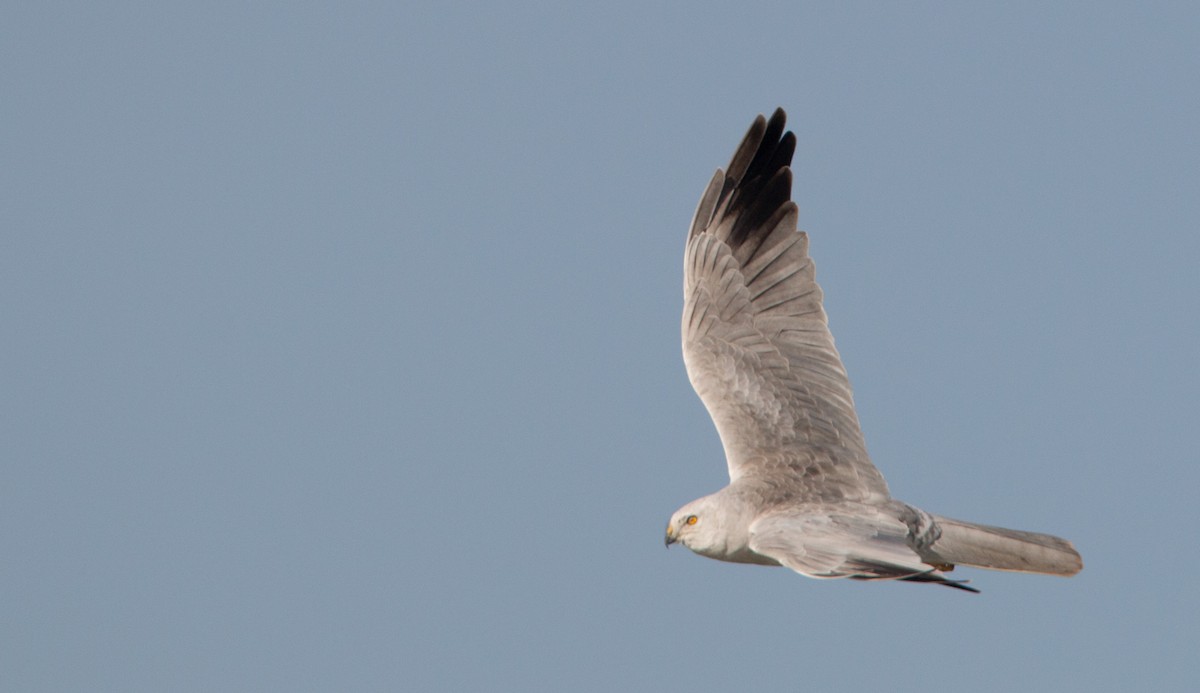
[{"x": 802, "y": 490}]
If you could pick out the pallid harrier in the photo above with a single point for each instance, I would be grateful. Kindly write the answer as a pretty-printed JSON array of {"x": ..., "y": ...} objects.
[{"x": 802, "y": 491}]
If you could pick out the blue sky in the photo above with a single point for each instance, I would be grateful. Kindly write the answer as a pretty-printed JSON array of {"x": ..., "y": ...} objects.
[{"x": 341, "y": 344}]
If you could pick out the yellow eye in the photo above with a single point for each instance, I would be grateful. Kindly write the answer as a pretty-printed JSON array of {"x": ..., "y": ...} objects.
[{"x": 692, "y": 519}]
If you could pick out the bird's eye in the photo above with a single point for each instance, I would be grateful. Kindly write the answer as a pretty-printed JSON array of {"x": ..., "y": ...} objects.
[{"x": 692, "y": 519}]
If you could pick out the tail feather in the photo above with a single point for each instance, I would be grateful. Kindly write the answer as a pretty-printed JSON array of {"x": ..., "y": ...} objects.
[{"x": 983, "y": 546}]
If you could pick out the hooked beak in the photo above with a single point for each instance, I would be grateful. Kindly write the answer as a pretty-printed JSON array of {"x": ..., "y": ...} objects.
[{"x": 671, "y": 539}]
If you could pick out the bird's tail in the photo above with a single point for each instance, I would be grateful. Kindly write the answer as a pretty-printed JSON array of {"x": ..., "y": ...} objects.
[{"x": 983, "y": 546}]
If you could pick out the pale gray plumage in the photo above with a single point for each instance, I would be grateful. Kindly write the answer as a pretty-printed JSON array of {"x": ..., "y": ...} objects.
[{"x": 803, "y": 492}]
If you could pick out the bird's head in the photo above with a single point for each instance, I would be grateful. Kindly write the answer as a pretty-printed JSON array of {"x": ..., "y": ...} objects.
[{"x": 696, "y": 525}]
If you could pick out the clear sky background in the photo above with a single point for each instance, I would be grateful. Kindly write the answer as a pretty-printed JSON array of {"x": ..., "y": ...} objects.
[{"x": 340, "y": 342}]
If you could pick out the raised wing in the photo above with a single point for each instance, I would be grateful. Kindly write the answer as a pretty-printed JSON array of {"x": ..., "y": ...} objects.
[{"x": 755, "y": 339}]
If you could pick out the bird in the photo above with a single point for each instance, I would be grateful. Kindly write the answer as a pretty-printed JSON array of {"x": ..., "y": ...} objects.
[{"x": 803, "y": 492}]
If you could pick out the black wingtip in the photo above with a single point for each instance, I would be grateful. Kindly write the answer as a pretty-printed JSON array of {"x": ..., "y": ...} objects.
[
  {"x": 941, "y": 580},
  {"x": 960, "y": 584},
  {"x": 759, "y": 179}
]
